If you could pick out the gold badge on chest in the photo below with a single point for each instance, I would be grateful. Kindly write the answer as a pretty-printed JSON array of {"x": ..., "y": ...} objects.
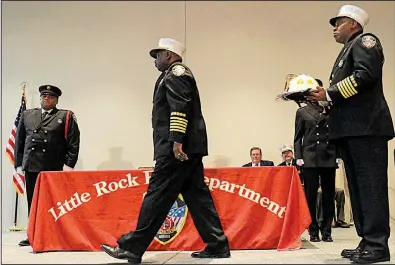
[{"x": 340, "y": 63}]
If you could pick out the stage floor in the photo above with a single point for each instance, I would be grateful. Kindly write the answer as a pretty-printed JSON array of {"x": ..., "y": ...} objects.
[{"x": 318, "y": 253}]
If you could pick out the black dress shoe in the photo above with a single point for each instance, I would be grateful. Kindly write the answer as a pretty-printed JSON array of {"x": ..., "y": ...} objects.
[
  {"x": 208, "y": 255},
  {"x": 327, "y": 239},
  {"x": 119, "y": 253},
  {"x": 24, "y": 243},
  {"x": 348, "y": 253},
  {"x": 370, "y": 257},
  {"x": 314, "y": 238},
  {"x": 342, "y": 224}
]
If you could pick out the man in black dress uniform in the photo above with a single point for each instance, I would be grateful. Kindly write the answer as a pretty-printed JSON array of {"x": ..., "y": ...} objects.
[
  {"x": 317, "y": 159},
  {"x": 361, "y": 126},
  {"x": 47, "y": 139},
  {"x": 180, "y": 142}
]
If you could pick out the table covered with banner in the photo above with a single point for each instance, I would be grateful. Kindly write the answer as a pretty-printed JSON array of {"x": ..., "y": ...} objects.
[{"x": 260, "y": 208}]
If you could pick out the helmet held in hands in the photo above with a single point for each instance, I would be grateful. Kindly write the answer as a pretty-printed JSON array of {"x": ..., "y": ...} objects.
[{"x": 297, "y": 87}]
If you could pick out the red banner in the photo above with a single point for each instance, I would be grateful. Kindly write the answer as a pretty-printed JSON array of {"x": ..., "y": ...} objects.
[{"x": 260, "y": 208}]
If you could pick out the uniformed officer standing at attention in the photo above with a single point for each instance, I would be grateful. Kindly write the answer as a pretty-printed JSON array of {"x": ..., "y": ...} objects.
[
  {"x": 361, "y": 128},
  {"x": 180, "y": 142},
  {"x": 317, "y": 159},
  {"x": 47, "y": 139}
]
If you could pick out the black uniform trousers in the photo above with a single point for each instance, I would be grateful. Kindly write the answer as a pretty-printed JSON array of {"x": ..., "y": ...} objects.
[
  {"x": 170, "y": 178},
  {"x": 30, "y": 180},
  {"x": 311, "y": 183},
  {"x": 366, "y": 164}
]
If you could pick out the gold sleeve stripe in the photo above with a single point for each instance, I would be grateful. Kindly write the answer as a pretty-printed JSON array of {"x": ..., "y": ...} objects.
[
  {"x": 179, "y": 120},
  {"x": 177, "y": 127},
  {"x": 178, "y": 124},
  {"x": 176, "y": 130},
  {"x": 174, "y": 113},
  {"x": 347, "y": 87},
  {"x": 350, "y": 86},
  {"x": 340, "y": 87},
  {"x": 354, "y": 83}
]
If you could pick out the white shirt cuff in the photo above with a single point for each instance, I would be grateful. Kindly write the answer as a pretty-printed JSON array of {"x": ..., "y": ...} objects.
[{"x": 328, "y": 98}]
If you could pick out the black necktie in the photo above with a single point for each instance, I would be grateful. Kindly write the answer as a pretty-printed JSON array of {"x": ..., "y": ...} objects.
[{"x": 44, "y": 115}]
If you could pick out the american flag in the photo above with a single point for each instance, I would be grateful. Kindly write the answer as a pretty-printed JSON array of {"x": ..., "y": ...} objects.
[
  {"x": 177, "y": 214},
  {"x": 17, "y": 179}
]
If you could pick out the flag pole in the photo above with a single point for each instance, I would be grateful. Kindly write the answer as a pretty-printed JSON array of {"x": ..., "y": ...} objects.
[{"x": 16, "y": 227}]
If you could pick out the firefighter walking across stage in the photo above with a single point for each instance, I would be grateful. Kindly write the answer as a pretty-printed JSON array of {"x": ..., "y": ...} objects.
[{"x": 180, "y": 142}]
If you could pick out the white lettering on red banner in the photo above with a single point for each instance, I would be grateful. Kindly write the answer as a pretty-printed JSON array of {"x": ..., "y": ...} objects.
[{"x": 103, "y": 188}]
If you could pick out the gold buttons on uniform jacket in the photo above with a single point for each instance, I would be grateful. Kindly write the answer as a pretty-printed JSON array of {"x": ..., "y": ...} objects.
[
  {"x": 35, "y": 131},
  {"x": 33, "y": 140},
  {"x": 318, "y": 134},
  {"x": 318, "y": 142},
  {"x": 33, "y": 148},
  {"x": 45, "y": 131},
  {"x": 316, "y": 126},
  {"x": 45, "y": 140},
  {"x": 44, "y": 150}
]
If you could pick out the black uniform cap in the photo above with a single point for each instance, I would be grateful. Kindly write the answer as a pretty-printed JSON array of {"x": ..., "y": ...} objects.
[{"x": 51, "y": 90}]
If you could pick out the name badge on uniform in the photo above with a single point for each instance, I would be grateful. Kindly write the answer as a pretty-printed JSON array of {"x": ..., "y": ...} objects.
[
  {"x": 341, "y": 63},
  {"x": 59, "y": 121}
]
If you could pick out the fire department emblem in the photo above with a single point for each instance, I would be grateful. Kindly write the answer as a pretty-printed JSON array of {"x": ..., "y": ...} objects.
[
  {"x": 369, "y": 41},
  {"x": 174, "y": 222}
]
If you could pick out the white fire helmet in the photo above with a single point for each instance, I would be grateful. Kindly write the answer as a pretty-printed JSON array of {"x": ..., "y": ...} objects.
[{"x": 300, "y": 83}]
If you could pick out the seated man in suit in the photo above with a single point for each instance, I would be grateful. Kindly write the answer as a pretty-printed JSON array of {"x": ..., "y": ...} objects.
[
  {"x": 289, "y": 160},
  {"x": 256, "y": 159}
]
